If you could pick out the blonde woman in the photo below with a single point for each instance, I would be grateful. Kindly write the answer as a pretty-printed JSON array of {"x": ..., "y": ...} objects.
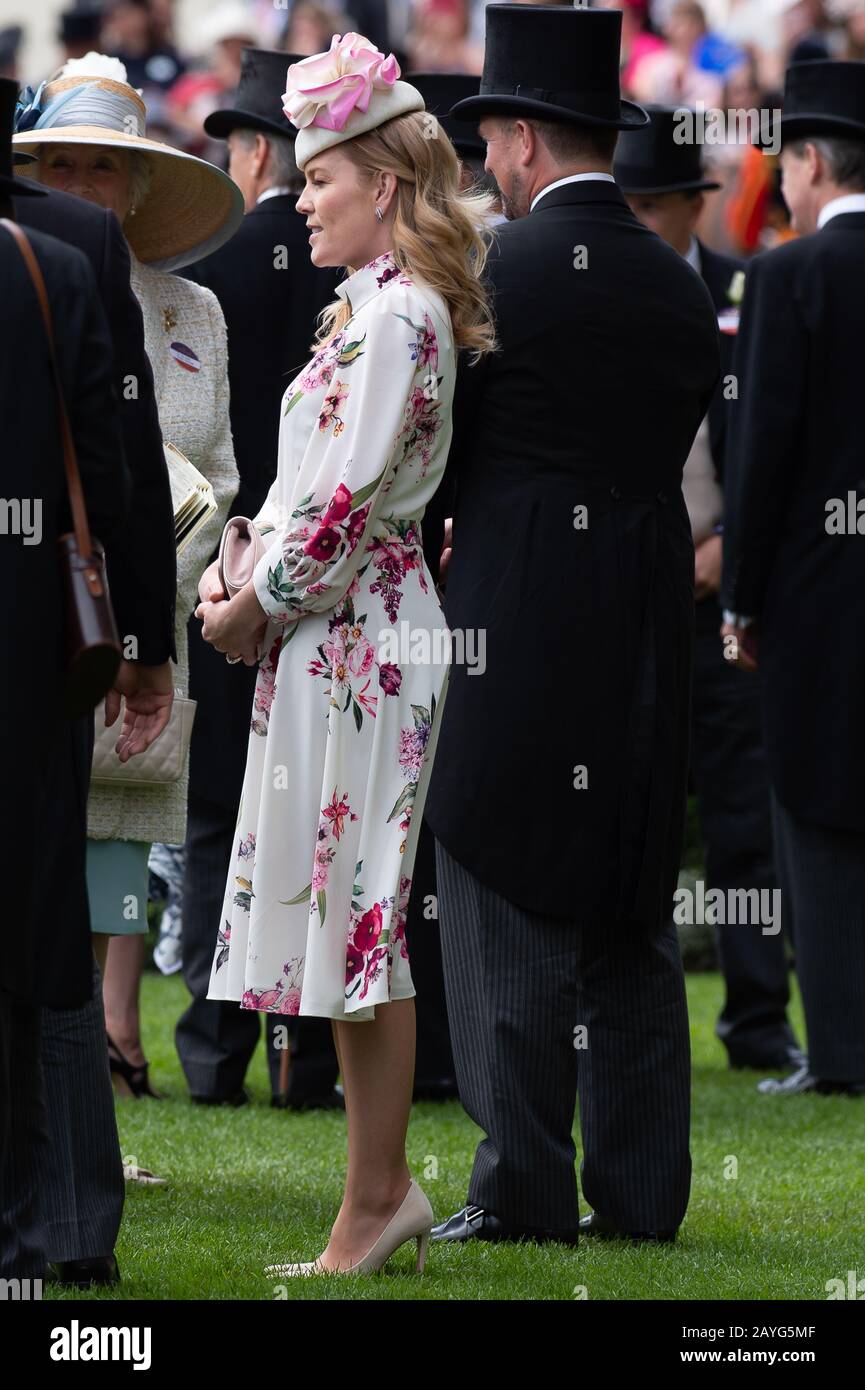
[
  {"x": 86, "y": 129},
  {"x": 345, "y": 715}
]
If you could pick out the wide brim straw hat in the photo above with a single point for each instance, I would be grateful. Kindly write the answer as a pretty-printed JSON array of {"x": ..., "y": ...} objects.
[
  {"x": 191, "y": 207},
  {"x": 348, "y": 91}
]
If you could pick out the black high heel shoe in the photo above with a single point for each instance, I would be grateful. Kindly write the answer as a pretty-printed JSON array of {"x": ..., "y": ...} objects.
[{"x": 136, "y": 1079}]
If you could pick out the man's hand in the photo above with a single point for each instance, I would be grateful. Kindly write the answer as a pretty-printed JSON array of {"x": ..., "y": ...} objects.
[
  {"x": 148, "y": 692},
  {"x": 740, "y": 646},
  {"x": 707, "y": 567},
  {"x": 447, "y": 551}
]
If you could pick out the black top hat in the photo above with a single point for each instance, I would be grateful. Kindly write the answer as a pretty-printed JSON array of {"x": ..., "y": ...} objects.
[
  {"x": 651, "y": 161},
  {"x": 441, "y": 91},
  {"x": 82, "y": 21},
  {"x": 824, "y": 98},
  {"x": 8, "y": 183},
  {"x": 258, "y": 99},
  {"x": 554, "y": 62}
]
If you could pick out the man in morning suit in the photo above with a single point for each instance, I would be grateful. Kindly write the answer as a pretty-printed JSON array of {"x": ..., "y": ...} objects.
[
  {"x": 270, "y": 293},
  {"x": 664, "y": 184},
  {"x": 80, "y": 1173},
  {"x": 47, "y": 960},
  {"x": 559, "y": 785},
  {"x": 794, "y": 555}
]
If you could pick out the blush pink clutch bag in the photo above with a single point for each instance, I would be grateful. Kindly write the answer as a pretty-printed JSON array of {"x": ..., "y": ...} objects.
[{"x": 240, "y": 550}]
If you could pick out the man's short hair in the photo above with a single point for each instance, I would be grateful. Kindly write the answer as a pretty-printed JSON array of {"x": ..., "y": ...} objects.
[
  {"x": 572, "y": 143},
  {"x": 283, "y": 163},
  {"x": 845, "y": 158}
]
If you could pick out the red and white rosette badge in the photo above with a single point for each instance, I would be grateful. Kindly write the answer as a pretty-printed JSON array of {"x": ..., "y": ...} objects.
[{"x": 345, "y": 92}]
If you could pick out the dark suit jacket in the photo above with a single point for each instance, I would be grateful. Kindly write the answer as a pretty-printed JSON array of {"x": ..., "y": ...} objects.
[
  {"x": 594, "y": 399},
  {"x": 717, "y": 271},
  {"x": 141, "y": 559},
  {"x": 270, "y": 316},
  {"x": 797, "y": 442},
  {"x": 47, "y": 959}
]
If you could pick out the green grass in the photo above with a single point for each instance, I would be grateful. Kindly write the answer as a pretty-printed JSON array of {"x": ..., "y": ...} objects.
[{"x": 250, "y": 1186}]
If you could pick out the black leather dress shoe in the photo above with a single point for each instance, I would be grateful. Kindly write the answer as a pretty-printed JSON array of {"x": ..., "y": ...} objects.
[
  {"x": 787, "y": 1059},
  {"x": 80, "y": 1274},
  {"x": 803, "y": 1081},
  {"x": 239, "y": 1098},
  {"x": 595, "y": 1225},
  {"x": 473, "y": 1223},
  {"x": 335, "y": 1101}
]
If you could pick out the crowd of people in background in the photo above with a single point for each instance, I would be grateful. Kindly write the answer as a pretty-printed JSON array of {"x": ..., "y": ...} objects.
[
  {"x": 224, "y": 328},
  {"x": 728, "y": 54}
]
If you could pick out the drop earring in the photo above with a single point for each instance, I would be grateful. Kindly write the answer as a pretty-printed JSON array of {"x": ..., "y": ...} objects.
[{"x": 379, "y": 214}]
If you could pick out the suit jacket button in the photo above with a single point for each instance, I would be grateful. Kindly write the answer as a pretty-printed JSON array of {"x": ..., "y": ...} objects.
[
  {"x": 662, "y": 497},
  {"x": 615, "y": 492}
]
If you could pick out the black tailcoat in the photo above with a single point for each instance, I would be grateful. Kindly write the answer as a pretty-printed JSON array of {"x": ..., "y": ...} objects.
[
  {"x": 718, "y": 271},
  {"x": 47, "y": 959},
  {"x": 141, "y": 562},
  {"x": 798, "y": 441},
  {"x": 270, "y": 316},
  {"x": 593, "y": 400}
]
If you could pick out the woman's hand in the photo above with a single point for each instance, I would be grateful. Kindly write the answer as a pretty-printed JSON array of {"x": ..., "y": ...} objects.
[
  {"x": 234, "y": 626},
  {"x": 209, "y": 587}
]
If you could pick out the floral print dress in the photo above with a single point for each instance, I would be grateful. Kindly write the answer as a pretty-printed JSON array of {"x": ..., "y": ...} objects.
[{"x": 353, "y": 666}]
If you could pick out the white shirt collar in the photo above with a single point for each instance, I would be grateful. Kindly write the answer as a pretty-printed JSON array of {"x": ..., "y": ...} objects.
[
  {"x": 850, "y": 202},
  {"x": 692, "y": 255},
  {"x": 569, "y": 178},
  {"x": 278, "y": 191}
]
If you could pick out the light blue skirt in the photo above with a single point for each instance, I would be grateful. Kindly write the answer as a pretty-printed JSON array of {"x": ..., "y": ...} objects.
[{"x": 117, "y": 880}]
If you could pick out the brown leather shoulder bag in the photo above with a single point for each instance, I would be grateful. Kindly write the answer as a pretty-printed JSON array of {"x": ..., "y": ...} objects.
[{"x": 92, "y": 645}]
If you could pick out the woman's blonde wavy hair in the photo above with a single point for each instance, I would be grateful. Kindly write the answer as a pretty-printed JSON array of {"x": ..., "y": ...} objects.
[{"x": 440, "y": 232}]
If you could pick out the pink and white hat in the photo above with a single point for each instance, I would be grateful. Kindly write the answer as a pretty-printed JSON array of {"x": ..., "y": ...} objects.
[{"x": 352, "y": 89}]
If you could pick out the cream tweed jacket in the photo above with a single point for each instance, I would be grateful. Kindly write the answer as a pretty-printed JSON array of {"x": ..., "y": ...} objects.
[{"x": 185, "y": 338}]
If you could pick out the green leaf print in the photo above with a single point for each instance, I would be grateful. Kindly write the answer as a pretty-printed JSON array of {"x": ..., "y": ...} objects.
[
  {"x": 358, "y": 716},
  {"x": 405, "y": 798},
  {"x": 302, "y": 896},
  {"x": 321, "y": 899},
  {"x": 363, "y": 494}
]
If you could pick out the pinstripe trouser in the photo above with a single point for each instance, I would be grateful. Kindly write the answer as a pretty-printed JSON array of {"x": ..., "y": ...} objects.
[
  {"x": 519, "y": 986},
  {"x": 80, "y": 1171},
  {"x": 22, "y": 1134},
  {"x": 822, "y": 875}
]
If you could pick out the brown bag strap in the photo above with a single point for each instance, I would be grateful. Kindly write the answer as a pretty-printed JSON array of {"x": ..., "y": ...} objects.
[{"x": 70, "y": 462}]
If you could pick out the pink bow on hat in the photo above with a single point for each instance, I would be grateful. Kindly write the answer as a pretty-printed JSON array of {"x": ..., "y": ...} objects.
[{"x": 324, "y": 90}]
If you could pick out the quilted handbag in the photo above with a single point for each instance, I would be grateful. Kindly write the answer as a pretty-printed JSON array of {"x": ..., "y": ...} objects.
[{"x": 162, "y": 762}]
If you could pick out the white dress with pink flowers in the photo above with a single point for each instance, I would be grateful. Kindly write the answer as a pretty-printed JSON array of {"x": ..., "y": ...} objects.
[{"x": 353, "y": 671}]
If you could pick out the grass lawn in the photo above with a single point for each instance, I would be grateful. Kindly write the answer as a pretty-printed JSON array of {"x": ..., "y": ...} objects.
[{"x": 251, "y": 1186}]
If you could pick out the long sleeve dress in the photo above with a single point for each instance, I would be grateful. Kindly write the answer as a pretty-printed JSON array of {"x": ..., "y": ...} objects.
[
  {"x": 185, "y": 339},
  {"x": 354, "y": 668}
]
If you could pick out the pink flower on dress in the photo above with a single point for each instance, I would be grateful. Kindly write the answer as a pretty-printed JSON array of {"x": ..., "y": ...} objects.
[
  {"x": 325, "y": 89},
  {"x": 323, "y": 545},
  {"x": 412, "y": 747},
  {"x": 336, "y": 812},
  {"x": 368, "y": 929},
  {"x": 339, "y": 508},
  {"x": 292, "y": 1002},
  {"x": 353, "y": 963},
  {"x": 331, "y": 404},
  {"x": 389, "y": 678},
  {"x": 361, "y": 657}
]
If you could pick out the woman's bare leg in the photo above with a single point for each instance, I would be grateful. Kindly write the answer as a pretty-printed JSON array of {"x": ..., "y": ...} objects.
[
  {"x": 101, "y": 942},
  {"x": 121, "y": 990},
  {"x": 377, "y": 1064}
]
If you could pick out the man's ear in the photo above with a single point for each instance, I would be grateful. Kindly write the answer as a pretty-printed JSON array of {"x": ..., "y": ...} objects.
[
  {"x": 259, "y": 154},
  {"x": 527, "y": 139},
  {"x": 697, "y": 204}
]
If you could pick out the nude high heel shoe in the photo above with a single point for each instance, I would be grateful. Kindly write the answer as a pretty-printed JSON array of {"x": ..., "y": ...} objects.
[{"x": 413, "y": 1220}]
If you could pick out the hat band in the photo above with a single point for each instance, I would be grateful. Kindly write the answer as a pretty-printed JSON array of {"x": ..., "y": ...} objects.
[
  {"x": 603, "y": 105},
  {"x": 91, "y": 104}
]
